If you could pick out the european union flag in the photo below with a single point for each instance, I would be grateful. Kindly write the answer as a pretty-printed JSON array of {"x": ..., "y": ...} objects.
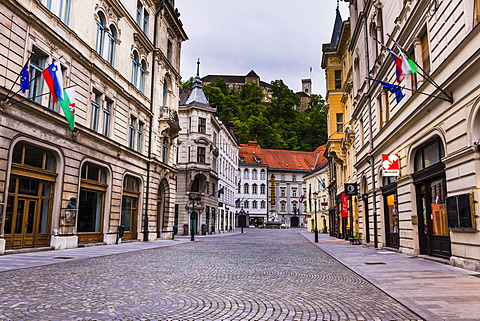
[
  {"x": 24, "y": 79},
  {"x": 396, "y": 89}
]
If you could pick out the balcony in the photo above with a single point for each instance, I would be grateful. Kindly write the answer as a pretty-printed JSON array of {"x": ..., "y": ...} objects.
[{"x": 170, "y": 116}]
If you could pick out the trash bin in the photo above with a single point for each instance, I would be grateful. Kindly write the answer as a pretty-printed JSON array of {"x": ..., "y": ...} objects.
[
  {"x": 185, "y": 229},
  {"x": 204, "y": 229}
]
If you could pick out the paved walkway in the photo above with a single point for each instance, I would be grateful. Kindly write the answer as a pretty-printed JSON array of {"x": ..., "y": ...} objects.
[
  {"x": 434, "y": 290},
  {"x": 261, "y": 275}
]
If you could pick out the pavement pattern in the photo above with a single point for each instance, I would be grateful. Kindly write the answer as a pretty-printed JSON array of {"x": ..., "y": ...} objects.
[{"x": 257, "y": 275}]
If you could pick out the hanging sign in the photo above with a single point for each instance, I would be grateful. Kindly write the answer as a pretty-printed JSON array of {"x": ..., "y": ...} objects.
[
  {"x": 344, "y": 205},
  {"x": 391, "y": 165}
]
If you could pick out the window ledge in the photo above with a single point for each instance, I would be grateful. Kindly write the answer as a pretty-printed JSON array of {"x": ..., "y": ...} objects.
[{"x": 463, "y": 230}]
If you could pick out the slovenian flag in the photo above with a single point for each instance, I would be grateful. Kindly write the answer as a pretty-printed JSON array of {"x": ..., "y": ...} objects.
[
  {"x": 54, "y": 79},
  {"x": 68, "y": 106}
]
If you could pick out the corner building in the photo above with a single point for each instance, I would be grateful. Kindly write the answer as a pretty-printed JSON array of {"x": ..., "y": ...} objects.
[
  {"x": 431, "y": 208},
  {"x": 123, "y": 59}
]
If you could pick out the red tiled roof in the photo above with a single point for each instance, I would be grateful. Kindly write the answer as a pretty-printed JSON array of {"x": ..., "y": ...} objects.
[{"x": 282, "y": 159}]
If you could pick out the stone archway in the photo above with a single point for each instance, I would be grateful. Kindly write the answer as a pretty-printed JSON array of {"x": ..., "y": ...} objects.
[{"x": 164, "y": 211}]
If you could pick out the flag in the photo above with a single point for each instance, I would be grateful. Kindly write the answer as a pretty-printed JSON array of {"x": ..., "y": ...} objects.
[
  {"x": 300, "y": 199},
  {"x": 398, "y": 63},
  {"x": 322, "y": 183},
  {"x": 25, "y": 79},
  {"x": 54, "y": 79},
  {"x": 68, "y": 106},
  {"x": 407, "y": 62},
  {"x": 396, "y": 89},
  {"x": 238, "y": 200},
  {"x": 239, "y": 181},
  {"x": 221, "y": 191}
]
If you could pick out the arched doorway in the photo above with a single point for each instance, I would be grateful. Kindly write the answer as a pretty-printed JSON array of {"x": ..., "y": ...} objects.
[
  {"x": 28, "y": 214},
  {"x": 163, "y": 216},
  {"x": 430, "y": 183},
  {"x": 130, "y": 207}
]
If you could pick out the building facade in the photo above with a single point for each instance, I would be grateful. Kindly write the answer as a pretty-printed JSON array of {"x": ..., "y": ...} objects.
[
  {"x": 60, "y": 187},
  {"x": 431, "y": 207},
  {"x": 207, "y": 163},
  {"x": 252, "y": 185}
]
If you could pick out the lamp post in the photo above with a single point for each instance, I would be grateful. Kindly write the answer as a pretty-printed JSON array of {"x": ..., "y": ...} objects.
[{"x": 315, "y": 194}]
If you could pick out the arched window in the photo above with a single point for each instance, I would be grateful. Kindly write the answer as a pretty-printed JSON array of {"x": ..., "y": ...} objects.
[
  {"x": 143, "y": 70},
  {"x": 254, "y": 174},
  {"x": 100, "y": 33},
  {"x": 254, "y": 189},
  {"x": 262, "y": 174},
  {"x": 245, "y": 173},
  {"x": 429, "y": 154},
  {"x": 245, "y": 188},
  {"x": 135, "y": 63},
  {"x": 111, "y": 42},
  {"x": 262, "y": 189}
]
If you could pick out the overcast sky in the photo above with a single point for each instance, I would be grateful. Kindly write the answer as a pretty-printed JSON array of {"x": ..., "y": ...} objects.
[{"x": 278, "y": 39}]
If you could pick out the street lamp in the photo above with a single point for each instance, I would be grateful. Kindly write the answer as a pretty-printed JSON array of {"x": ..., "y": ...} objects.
[{"x": 315, "y": 194}]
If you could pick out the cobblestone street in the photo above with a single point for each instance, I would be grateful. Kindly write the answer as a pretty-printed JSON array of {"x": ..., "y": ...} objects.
[{"x": 258, "y": 275}]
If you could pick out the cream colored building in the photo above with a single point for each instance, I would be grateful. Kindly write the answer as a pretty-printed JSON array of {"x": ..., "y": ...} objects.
[
  {"x": 431, "y": 208},
  {"x": 123, "y": 59}
]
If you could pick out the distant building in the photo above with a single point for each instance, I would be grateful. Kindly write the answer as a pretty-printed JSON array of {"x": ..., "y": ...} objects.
[
  {"x": 236, "y": 82},
  {"x": 285, "y": 193},
  {"x": 207, "y": 163},
  {"x": 305, "y": 95}
]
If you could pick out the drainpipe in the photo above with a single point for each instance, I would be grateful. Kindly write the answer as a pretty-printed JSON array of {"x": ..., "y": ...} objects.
[
  {"x": 370, "y": 120},
  {"x": 150, "y": 131}
]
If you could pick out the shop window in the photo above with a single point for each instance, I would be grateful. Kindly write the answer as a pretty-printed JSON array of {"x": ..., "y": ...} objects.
[
  {"x": 460, "y": 211},
  {"x": 92, "y": 198},
  {"x": 130, "y": 197}
]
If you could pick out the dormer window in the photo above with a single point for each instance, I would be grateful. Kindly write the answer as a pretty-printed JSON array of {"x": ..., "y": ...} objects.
[{"x": 241, "y": 159}]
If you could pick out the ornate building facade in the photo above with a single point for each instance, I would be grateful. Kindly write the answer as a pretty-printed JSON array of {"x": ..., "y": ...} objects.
[
  {"x": 122, "y": 58},
  {"x": 431, "y": 206}
]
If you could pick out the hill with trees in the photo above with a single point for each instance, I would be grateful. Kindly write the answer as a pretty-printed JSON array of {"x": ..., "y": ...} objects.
[{"x": 275, "y": 124}]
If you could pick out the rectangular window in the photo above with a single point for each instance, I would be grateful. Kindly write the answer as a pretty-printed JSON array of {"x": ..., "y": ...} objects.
[
  {"x": 254, "y": 204},
  {"x": 262, "y": 204},
  {"x": 201, "y": 151},
  {"x": 294, "y": 192},
  {"x": 169, "y": 50},
  {"x": 459, "y": 211},
  {"x": 140, "y": 137},
  {"x": 338, "y": 79},
  {"x": 245, "y": 204},
  {"x": 282, "y": 207},
  {"x": 37, "y": 65},
  {"x": 202, "y": 125},
  {"x": 425, "y": 53},
  {"x": 339, "y": 123},
  {"x": 282, "y": 192},
  {"x": 107, "y": 115},
  {"x": 96, "y": 101},
  {"x": 131, "y": 132},
  {"x": 145, "y": 21},
  {"x": 139, "y": 13}
]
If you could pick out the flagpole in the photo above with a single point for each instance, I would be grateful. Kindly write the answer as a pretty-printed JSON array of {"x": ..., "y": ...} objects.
[
  {"x": 31, "y": 98},
  {"x": 31, "y": 80},
  {"x": 424, "y": 74},
  {"x": 412, "y": 90}
]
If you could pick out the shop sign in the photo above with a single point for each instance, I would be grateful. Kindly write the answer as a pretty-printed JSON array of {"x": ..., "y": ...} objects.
[
  {"x": 344, "y": 205},
  {"x": 391, "y": 165},
  {"x": 351, "y": 189}
]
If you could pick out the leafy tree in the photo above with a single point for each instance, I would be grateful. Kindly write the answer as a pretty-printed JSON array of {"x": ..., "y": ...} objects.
[{"x": 187, "y": 84}]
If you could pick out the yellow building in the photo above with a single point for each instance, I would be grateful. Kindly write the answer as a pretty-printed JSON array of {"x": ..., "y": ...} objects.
[{"x": 341, "y": 135}]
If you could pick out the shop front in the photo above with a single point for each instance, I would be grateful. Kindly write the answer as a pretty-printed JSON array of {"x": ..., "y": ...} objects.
[
  {"x": 389, "y": 191},
  {"x": 429, "y": 180}
]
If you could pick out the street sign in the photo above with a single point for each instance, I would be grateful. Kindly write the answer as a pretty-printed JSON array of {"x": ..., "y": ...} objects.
[
  {"x": 351, "y": 189},
  {"x": 391, "y": 165}
]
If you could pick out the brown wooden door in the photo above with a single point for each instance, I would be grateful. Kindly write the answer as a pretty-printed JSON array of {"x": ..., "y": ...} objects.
[{"x": 23, "y": 223}]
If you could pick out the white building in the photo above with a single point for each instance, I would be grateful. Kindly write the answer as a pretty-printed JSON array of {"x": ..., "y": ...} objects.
[
  {"x": 123, "y": 60},
  {"x": 252, "y": 184}
]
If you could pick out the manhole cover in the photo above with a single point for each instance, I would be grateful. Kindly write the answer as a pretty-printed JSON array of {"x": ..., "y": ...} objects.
[
  {"x": 374, "y": 263},
  {"x": 63, "y": 257}
]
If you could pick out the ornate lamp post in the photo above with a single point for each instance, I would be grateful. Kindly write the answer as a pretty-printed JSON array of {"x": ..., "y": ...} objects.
[{"x": 315, "y": 194}]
